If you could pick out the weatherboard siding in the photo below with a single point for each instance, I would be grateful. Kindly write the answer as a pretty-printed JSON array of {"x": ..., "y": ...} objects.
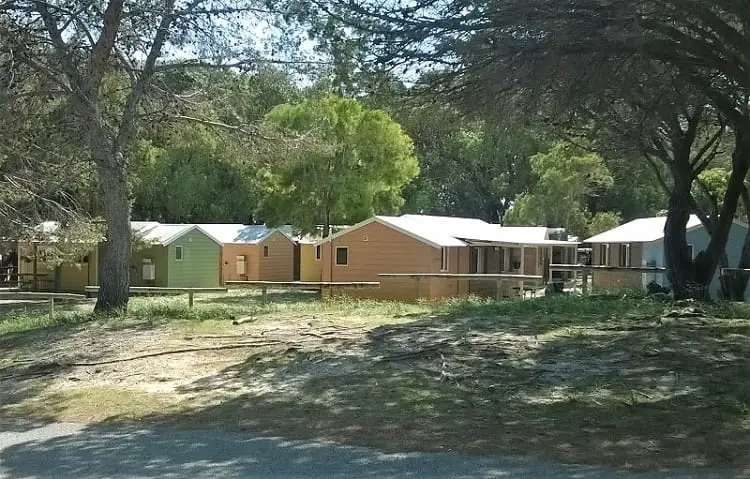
[
  {"x": 229, "y": 254},
  {"x": 376, "y": 248},
  {"x": 158, "y": 256},
  {"x": 199, "y": 267},
  {"x": 311, "y": 269},
  {"x": 618, "y": 280},
  {"x": 279, "y": 264}
]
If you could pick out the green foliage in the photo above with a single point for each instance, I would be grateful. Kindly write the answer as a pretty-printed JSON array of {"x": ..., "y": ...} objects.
[
  {"x": 603, "y": 221},
  {"x": 347, "y": 164},
  {"x": 567, "y": 176},
  {"x": 711, "y": 187},
  {"x": 196, "y": 176}
]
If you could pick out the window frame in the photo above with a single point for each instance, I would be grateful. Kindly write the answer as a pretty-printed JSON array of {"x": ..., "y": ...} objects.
[
  {"x": 626, "y": 248},
  {"x": 336, "y": 256},
  {"x": 691, "y": 247},
  {"x": 445, "y": 263},
  {"x": 243, "y": 263},
  {"x": 181, "y": 249},
  {"x": 604, "y": 254},
  {"x": 265, "y": 251},
  {"x": 318, "y": 252}
]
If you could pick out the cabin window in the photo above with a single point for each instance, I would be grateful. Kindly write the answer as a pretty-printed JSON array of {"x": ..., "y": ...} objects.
[
  {"x": 265, "y": 251},
  {"x": 342, "y": 256},
  {"x": 241, "y": 265},
  {"x": 691, "y": 249},
  {"x": 444, "y": 259},
  {"x": 178, "y": 253},
  {"x": 604, "y": 255},
  {"x": 318, "y": 253},
  {"x": 624, "y": 256}
]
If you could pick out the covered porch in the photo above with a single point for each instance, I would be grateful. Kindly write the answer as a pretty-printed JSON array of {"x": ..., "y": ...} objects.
[{"x": 516, "y": 258}]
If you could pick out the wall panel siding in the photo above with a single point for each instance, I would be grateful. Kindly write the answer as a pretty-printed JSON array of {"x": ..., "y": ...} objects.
[
  {"x": 310, "y": 268},
  {"x": 158, "y": 256},
  {"x": 229, "y": 253},
  {"x": 200, "y": 266},
  {"x": 374, "y": 249},
  {"x": 279, "y": 264}
]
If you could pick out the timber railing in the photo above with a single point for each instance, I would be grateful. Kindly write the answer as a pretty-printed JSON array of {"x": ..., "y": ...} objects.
[
  {"x": 16, "y": 295},
  {"x": 585, "y": 269},
  {"x": 264, "y": 286},
  {"x": 498, "y": 278},
  {"x": 149, "y": 290}
]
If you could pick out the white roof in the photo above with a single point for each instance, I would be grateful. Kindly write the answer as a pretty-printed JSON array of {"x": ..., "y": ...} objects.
[
  {"x": 444, "y": 231},
  {"x": 237, "y": 233},
  {"x": 159, "y": 233},
  {"x": 643, "y": 230},
  {"x": 436, "y": 230}
]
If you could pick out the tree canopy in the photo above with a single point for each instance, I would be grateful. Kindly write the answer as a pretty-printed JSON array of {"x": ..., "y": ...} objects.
[{"x": 352, "y": 162}]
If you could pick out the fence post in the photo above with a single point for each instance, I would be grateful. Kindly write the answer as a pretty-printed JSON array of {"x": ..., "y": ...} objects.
[
  {"x": 585, "y": 282},
  {"x": 264, "y": 293},
  {"x": 51, "y": 307},
  {"x": 190, "y": 299},
  {"x": 498, "y": 290}
]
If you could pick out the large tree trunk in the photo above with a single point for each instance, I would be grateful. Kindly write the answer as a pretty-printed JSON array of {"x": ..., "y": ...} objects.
[
  {"x": 708, "y": 261},
  {"x": 680, "y": 267},
  {"x": 115, "y": 278}
]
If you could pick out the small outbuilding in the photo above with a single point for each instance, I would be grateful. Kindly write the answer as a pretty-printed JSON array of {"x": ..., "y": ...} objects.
[
  {"x": 254, "y": 252},
  {"x": 174, "y": 256}
]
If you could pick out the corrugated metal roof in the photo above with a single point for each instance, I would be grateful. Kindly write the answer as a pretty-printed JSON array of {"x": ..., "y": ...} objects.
[
  {"x": 446, "y": 231},
  {"x": 237, "y": 233},
  {"x": 159, "y": 233},
  {"x": 642, "y": 230},
  {"x": 436, "y": 230}
]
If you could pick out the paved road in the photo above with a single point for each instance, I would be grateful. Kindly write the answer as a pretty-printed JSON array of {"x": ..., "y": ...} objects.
[{"x": 78, "y": 451}]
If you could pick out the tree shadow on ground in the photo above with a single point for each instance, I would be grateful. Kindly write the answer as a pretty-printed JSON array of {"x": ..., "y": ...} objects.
[
  {"x": 136, "y": 451},
  {"x": 614, "y": 391}
]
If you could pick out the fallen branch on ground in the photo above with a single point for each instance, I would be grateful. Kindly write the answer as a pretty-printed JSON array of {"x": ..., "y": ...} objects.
[{"x": 172, "y": 351}]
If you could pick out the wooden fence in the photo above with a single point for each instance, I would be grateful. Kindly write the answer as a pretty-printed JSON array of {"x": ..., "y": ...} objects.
[
  {"x": 497, "y": 278},
  {"x": 301, "y": 285},
  {"x": 586, "y": 269},
  {"x": 149, "y": 290}
]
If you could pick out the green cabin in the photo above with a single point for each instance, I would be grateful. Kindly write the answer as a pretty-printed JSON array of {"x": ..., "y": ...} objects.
[{"x": 174, "y": 256}]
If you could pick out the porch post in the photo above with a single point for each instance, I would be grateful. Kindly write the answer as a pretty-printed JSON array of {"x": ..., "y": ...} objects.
[{"x": 523, "y": 271}]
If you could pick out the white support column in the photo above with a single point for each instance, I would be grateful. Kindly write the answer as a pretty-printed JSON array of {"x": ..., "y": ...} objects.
[{"x": 523, "y": 270}]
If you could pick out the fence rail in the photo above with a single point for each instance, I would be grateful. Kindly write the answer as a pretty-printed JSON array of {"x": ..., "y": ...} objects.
[
  {"x": 309, "y": 285},
  {"x": 191, "y": 292},
  {"x": 585, "y": 269},
  {"x": 498, "y": 278},
  {"x": 39, "y": 296}
]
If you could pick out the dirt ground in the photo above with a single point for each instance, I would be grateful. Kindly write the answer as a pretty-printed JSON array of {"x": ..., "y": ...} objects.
[{"x": 631, "y": 389}]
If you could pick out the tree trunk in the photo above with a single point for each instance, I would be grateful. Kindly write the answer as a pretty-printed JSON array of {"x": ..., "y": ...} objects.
[
  {"x": 680, "y": 267},
  {"x": 115, "y": 278},
  {"x": 707, "y": 261}
]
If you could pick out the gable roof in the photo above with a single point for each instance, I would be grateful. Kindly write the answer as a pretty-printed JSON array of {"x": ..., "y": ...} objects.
[
  {"x": 164, "y": 234},
  {"x": 642, "y": 230},
  {"x": 446, "y": 231},
  {"x": 233, "y": 233}
]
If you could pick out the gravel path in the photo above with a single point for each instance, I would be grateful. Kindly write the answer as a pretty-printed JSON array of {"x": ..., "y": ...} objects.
[{"x": 62, "y": 450}]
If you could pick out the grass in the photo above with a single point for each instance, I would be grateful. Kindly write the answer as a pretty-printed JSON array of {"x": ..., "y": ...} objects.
[{"x": 96, "y": 404}]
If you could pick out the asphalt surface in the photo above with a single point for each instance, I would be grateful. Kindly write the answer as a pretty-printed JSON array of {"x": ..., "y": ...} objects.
[{"x": 29, "y": 450}]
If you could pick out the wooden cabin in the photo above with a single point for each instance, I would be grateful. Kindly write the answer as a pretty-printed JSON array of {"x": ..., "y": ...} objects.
[{"x": 410, "y": 244}]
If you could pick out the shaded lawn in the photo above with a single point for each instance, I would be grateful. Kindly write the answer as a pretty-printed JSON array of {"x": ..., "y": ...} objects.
[{"x": 581, "y": 380}]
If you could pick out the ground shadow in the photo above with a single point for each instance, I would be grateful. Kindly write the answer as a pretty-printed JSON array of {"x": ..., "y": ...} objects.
[
  {"x": 99, "y": 451},
  {"x": 606, "y": 390}
]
